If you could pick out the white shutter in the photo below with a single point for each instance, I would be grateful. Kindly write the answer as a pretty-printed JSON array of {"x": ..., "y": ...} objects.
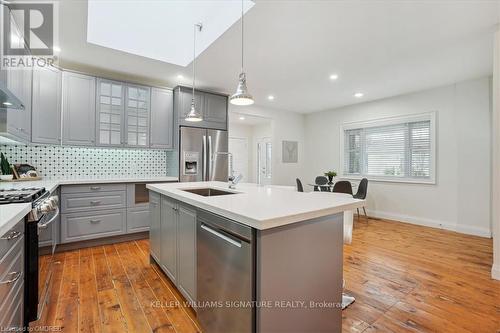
[{"x": 393, "y": 151}]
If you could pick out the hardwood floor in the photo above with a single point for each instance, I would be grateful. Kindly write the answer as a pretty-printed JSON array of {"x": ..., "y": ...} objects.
[{"x": 405, "y": 279}]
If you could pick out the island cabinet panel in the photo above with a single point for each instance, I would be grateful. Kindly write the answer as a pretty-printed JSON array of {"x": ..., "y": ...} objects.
[
  {"x": 168, "y": 255},
  {"x": 187, "y": 253},
  {"x": 173, "y": 242},
  {"x": 318, "y": 261},
  {"x": 155, "y": 226}
]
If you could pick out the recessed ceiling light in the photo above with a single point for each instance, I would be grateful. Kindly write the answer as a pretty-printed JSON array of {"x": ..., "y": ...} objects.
[
  {"x": 359, "y": 95},
  {"x": 180, "y": 77},
  {"x": 242, "y": 118},
  {"x": 57, "y": 49},
  {"x": 270, "y": 97},
  {"x": 334, "y": 77},
  {"x": 7, "y": 103}
]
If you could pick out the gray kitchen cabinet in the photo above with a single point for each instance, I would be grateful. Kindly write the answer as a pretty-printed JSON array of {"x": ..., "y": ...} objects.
[
  {"x": 176, "y": 240},
  {"x": 213, "y": 108},
  {"x": 12, "y": 274},
  {"x": 155, "y": 226},
  {"x": 162, "y": 118},
  {"x": 46, "y": 106},
  {"x": 187, "y": 252},
  {"x": 78, "y": 109},
  {"x": 137, "y": 219},
  {"x": 91, "y": 225},
  {"x": 110, "y": 109},
  {"x": 137, "y": 112},
  {"x": 19, "y": 121},
  {"x": 168, "y": 254}
]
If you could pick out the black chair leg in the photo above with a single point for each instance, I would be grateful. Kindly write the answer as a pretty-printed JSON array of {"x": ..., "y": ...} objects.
[
  {"x": 364, "y": 210},
  {"x": 358, "y": 213}
]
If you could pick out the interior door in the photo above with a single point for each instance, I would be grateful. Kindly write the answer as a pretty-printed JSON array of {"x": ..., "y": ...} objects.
[
  {"x": 264, "y": 161},
  {"x": 218, "y": 163},
  {"x": 239, "y": 148},
  {"x": 192, "y": 167}
]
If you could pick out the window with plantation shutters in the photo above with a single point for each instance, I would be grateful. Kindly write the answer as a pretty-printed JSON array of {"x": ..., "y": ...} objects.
[{"x": 395, "y": 149}]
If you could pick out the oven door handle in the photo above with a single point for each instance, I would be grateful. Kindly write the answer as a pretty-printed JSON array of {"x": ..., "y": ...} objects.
[{"x": 46, "y": 224}]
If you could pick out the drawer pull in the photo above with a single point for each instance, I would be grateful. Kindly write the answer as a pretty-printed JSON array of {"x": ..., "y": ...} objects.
[
  {"x": 16, "y": 277},
  {"x": 12, "y": 235},
  {"x": 95, "y": 188},
  {"x": 95, "y": 202},
  {"x": 95, "y": 221}
]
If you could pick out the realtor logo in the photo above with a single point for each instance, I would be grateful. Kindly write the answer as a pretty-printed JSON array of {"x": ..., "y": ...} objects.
[{"x": 28, "y": 36}]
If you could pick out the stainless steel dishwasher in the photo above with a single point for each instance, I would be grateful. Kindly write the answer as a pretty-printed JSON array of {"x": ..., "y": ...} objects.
[{"x": 225, "y": 274}]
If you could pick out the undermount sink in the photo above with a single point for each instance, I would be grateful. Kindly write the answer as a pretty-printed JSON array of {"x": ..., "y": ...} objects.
[{"x": 207, "y": 192}]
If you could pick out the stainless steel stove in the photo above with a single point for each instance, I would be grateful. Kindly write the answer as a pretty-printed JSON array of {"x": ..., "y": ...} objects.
[{"x": 28, "y": 194}]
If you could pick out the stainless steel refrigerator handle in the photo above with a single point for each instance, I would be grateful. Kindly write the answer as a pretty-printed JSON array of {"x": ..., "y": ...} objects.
[
  {"x": 204, "y": 159},
  {"x": 210, "y": 162},
  {"x": 218, "y": 234}
]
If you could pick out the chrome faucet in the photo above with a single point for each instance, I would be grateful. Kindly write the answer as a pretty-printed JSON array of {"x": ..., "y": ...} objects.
[{"x": 232, "y": 180}]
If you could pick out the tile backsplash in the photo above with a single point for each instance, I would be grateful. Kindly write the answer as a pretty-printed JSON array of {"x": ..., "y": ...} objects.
[{"x": 80, "y": 162}]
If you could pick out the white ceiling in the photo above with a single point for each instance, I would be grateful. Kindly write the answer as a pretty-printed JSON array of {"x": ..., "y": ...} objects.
[
  {"x": 246, "y": 119},
  {"x": 381, "y": 48},
  {"x": 161, "y": 30}
]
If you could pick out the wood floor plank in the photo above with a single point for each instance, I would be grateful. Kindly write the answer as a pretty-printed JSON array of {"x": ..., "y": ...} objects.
[
  {"x": 155, "y": 316},
  {"x": 112, "y": 319},
  {"x": 130, "y": 306},
  {"x": 90, "y": 320},
  {"x": 67, "y": 317}
]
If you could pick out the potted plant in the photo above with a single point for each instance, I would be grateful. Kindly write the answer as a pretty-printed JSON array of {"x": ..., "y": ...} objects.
[
  {"x": 330, "y": 175},
  {"x": 5, "y": 167}
]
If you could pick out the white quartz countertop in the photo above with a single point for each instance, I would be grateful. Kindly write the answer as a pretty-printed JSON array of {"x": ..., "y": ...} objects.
[
  {"x": 10, "y": 214},
  {"x": 51, "y": 184},
  {"x": 261, "y": 207}
]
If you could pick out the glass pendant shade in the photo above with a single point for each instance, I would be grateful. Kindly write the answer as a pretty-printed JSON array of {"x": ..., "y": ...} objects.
[
  {"x": 241, "y": 97},
  {"x": 193, "y": 115}
]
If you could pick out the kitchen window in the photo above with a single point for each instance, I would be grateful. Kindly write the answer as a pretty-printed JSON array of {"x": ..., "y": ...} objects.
[{"x": 395, "y": 149}]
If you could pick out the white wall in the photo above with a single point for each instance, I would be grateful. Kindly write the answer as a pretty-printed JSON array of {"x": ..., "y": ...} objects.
[
  {"x": 495, "y": 270},
  {"x": 284, "y": 126},
  {"x": 244, "y": 132},
  {"x": 461, "y": 198}
]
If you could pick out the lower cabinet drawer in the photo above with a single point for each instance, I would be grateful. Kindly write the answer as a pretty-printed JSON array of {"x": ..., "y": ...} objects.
[
  {"x": 11, "y": 269},
  {"x": 84, "y": 202},
  {"x": 12, "y": 311},
  {"x": 84, "y": 226},
  {"x": 10, "y": 238},
  {"x": 137, "y": 219}
]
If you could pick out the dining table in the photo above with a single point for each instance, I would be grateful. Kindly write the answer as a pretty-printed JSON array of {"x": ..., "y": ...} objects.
[{"x": 330, "y": 186}]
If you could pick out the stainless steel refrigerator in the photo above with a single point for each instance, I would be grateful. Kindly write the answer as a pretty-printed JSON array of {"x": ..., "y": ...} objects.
[{"x": 198, "y": 160}]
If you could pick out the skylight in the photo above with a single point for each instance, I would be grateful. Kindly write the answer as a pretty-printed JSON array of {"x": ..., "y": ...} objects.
[{"x": 160, "y": 30}]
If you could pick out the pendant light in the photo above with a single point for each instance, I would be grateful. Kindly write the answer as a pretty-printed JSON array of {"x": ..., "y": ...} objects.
[
  {"x": 241, "y": 96},
  {"x": 193, "y": 114}
]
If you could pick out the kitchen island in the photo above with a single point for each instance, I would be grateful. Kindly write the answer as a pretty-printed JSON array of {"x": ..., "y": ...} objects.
[{"x": 254, "y": 258}]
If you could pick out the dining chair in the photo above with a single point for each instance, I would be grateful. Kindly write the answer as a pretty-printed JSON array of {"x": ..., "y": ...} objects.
[
  {"x": 342, "y": 186},
  {"x": 300, "y": 188},
  {"x": 321, "y": 180},
  {"x": 361, "y": 194}
]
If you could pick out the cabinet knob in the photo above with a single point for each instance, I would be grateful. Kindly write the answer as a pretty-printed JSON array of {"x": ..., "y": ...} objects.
[{"x": 95, "y": 221}]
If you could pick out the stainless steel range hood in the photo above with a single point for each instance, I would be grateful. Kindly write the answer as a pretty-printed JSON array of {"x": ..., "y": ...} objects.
[{"x": 8, "y": 100}]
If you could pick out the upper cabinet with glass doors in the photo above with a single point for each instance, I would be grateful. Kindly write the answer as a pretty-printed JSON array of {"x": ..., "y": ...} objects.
[
  {"x": 137, "y": 116},
  {"x": 110, "y": 113}
]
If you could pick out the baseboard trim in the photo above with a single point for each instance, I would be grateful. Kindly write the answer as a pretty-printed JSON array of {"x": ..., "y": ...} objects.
[
  {"x": 102, "y": 241},
  {"x": 495, "y": 272},
  {"x": 481, "y": 232}
]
